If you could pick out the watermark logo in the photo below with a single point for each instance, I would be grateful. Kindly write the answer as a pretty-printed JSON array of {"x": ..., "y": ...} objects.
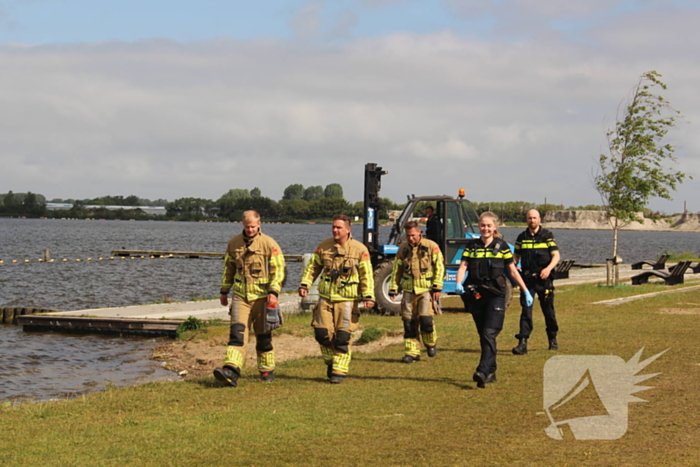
[{"x": 589, "y": 394}]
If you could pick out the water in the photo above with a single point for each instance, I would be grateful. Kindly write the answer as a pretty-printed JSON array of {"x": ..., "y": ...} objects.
[{"x": 47, "y": 365}]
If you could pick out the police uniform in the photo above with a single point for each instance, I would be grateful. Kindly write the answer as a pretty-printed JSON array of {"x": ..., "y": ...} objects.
[
  {"x": 535, "y": 253},
  {"x": 433, "y": 229},
  {"x": 419, "y": 270},
  {"x": 346, "y": 277},
  {"x": 485, "y": 295},
  {"x": 253, "y": 268}
]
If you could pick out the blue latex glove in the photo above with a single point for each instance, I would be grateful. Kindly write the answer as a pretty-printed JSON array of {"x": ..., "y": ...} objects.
[
  {"x": 459, "y": 288},
  {"x": 528, "y": 297}
]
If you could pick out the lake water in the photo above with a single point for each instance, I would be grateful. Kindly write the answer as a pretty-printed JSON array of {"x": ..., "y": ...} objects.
[{"x": 46, "y": 365}]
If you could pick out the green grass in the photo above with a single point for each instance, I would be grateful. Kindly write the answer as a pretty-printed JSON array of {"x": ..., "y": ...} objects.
[
  {"x": 681, "y": 256},
  {"x": 387, "y": 412}
]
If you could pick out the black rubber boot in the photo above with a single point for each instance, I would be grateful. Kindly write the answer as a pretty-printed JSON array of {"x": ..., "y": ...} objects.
[
  {"x": 521, "y": 348},
  {"x": 228, "y": 375}
]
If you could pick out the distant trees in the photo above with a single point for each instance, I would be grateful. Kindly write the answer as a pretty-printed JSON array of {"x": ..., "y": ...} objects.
[
  {"x": 191, "y": 209},
  {"x": 295, "y": 191},
  {"x": 333, "y": 190},
  {"x": 22, "y": 204},
  {"x": 313, "y": 193}
]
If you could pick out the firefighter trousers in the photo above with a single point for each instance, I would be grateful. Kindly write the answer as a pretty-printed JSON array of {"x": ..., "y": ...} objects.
[
  {"x": 334, "y": 323},
  {"x": 417, "y": 314},
  {"x": 246, "y": 315}
]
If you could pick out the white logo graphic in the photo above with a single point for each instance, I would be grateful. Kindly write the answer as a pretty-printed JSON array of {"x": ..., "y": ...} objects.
[{"x": 590, "y": 393}]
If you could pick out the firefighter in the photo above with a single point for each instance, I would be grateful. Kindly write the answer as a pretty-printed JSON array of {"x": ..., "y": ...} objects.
[
  {"x": 346, "y": 278},
  {"x": 484, "y": 293},
  {"x": 419, "y": 270},
  {"x": 539, "y": 255},
  {"x": 254, "y": 269}
]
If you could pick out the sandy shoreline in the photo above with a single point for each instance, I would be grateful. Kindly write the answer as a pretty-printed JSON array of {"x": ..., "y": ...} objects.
[{"x": 597, "y": 220}]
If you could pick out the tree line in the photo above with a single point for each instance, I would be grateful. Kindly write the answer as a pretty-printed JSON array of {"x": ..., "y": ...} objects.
[{"x": 298, "y": 204}]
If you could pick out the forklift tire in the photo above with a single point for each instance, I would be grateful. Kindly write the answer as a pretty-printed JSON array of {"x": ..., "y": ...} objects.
[{"x": 382, "y": 276}]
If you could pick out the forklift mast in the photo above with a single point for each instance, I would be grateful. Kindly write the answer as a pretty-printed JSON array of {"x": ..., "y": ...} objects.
[{"x": 373, "y": 184}]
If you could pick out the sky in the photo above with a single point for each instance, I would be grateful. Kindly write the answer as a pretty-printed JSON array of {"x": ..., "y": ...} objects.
[{"x": 509, "y": 99}]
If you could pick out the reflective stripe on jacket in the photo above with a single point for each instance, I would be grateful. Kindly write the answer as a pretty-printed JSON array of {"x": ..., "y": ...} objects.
[
  {"x": 418, "y": 268},
  {"x": 253, "y": 267},
  {"x": 487, "y": 263},
  {"x": 535, "y": 251},
  {"x": 345, "y": 271}
]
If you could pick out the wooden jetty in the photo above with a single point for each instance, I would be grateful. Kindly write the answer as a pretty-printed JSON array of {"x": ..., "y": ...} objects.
[
  {"x": 186, "y": 254},
  {"x": 9, "y": 315},
  {"x": 80, "y": 324}
]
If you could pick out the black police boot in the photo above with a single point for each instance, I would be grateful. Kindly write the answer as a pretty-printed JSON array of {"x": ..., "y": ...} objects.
[
  {"x": 553, "y": 345},
  {"x": 228, "y": 375},
  {"x": 521, "y": 348},
  {"x": 491, "y": 378},
  {"x": 480, "y": 379},
  {"x": 432, "y": 351}
]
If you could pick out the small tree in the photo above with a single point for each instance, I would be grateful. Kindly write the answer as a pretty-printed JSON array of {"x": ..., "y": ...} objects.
[{"x": 633, "y": 171}]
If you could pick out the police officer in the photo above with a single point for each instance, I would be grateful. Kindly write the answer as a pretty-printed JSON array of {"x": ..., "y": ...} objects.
[
  {"x": 254, "y": 268},
  {"x": 419, "y": 270},
  {"x": 484, "y": 293},
  {"x": 539, "y": 254},
  {"x": 346, "y": 278},
  {"x": 433, "y": 226}
]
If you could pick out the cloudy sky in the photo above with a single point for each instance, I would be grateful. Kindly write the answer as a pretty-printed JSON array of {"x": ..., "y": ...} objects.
[{"x": 509, "y": 99}]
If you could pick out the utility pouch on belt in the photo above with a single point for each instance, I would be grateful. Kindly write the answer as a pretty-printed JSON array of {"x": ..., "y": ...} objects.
[{"x": 273, "y": 318}]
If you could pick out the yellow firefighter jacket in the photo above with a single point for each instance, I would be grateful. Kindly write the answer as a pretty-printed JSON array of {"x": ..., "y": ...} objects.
[
  {"x": 253, "y": 267},
  {"x": 345, "y": 270},
  {"x": 418, "y": 268}
]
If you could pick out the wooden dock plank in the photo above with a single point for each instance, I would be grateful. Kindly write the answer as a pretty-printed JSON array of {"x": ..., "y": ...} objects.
[
  {"x": 186, "y": 254},
  {"x": 98, "y": 325}
]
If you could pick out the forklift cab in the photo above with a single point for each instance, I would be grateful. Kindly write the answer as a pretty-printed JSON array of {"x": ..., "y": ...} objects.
[{"x": 459, "y": 224}]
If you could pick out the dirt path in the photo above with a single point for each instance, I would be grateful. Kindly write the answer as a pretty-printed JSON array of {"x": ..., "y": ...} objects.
[{"x": 195, "y": 359}]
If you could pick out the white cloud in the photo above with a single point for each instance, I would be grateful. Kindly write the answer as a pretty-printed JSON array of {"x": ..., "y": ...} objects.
[{"x": 514, "y": 120}]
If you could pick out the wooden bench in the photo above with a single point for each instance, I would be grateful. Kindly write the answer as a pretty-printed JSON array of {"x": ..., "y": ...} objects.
[
  {"x": 659, "y": 264},
  {"x": 695, "y": 269},
  {"x": 562, "y": 269},
  {"x": 670, "y": 278}
]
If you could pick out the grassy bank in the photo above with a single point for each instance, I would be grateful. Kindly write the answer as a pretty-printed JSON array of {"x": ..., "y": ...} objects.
[{"x": 389, "y": 413}]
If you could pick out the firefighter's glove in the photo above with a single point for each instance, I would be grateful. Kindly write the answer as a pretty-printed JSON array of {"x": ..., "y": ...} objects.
[
  {"x": 528, "y": 297},
  {"x": 459, "y": 288},
  {"x": 273, "y": 319}
]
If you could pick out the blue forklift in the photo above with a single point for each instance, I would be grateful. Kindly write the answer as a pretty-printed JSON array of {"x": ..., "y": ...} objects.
[{"x": 459, "y": 223}]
